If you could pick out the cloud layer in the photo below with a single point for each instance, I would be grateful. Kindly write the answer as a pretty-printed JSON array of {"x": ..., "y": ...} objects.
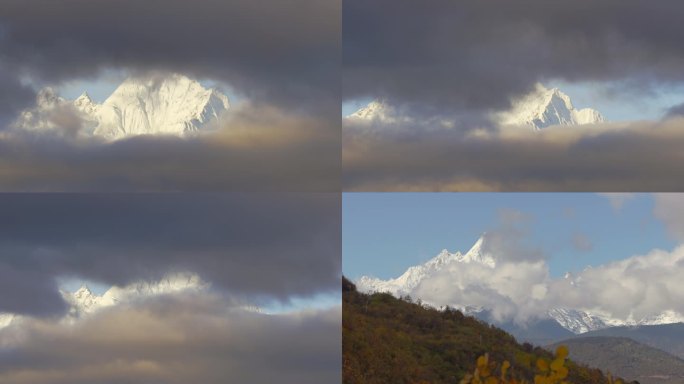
[
  {"x": 475, "y": 55},
  {"x": 638, "y": 156},
  {"x": 520, "y": 288},
  {"x": 261, "y": 246},
  {"x": 631, "y": 289},
  {"x": 282, "y": 58},
  {"x": 175, "y": 339},
  {"x": 255, "y": 149},
  {"x": 280, "y": 52}
]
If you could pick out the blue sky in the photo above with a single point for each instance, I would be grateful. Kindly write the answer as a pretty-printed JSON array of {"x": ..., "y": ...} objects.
[
  {"x": 614, "y": 103},
  {"x": 385, "y": 233}
]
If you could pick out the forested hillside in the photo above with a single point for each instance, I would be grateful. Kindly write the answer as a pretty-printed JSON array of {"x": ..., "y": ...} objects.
[{"x": 398, "y": 341}]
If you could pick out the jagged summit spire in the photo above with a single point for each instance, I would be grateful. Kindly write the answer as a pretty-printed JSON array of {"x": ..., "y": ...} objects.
[
  {"x": 84, "y": 95},
  {"x": 165, "y": 104},
  {"x": 83, "y": 291},
  {"x": 545, "y": 107}
]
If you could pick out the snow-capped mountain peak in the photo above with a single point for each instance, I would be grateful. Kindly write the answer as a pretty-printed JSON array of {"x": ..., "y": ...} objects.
[
  {"x": 539, "y": 109},
  {"x": 545, "y": 107},
  {"x": 576, "y": 321},
  {"x": 414, "y": 275},
  {"x": 174, "y": 105},
  {"x": 478, "y": 254},
  {"x": 378, "y": 111},
  {"x": 171, "y": 105}
]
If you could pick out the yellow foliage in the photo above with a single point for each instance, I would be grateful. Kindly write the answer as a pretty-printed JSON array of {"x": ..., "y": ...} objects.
[{"x": 553, "y": 372}]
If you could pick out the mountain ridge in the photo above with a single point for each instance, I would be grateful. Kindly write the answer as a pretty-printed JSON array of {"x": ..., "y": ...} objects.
[
  {"x": 575, "y": 320},
  {"x": 172, "y": 104},
  {"x": 542, "y": 108}
]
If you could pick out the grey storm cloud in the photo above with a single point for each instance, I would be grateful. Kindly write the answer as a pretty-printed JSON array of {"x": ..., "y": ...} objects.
[
  {"x": 283, "y": 52},
  {"x": 506, "y": 240},
  {"x": 260, "y": 245},
  {"x": 636, "y": 156},
  {"x": 470, "y": 55},
  {"x": 257, "y": 149},
  {"x": 281, "y": 57},
  {"x": 14, "y": 96},
  {"x": 204, "y": 341}
]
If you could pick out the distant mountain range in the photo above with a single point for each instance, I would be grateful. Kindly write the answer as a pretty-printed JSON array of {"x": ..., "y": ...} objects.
[
  {"x": 667, "y": 337},
  {"x": 540, "y": 109},
  {"x": 557, "y": 323},
  {"x": 626, "y": 358},
  {"x": 169, "y": 105}
]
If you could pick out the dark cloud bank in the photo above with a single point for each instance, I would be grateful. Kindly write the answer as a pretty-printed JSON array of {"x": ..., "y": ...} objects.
[
  {"x": 475, "y": 54},
  {"x": 257, "y": 149},
  {"x": 181, "y": 339},
  {"x": 282, "y": 56},
  {"x": 282, "y": 52},
  {"x": 463, "y": 60},
  {"x": 260, "y": 246}
]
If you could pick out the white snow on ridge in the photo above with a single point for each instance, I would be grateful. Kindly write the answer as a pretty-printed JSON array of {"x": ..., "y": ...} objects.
[
  {"x": 171, "y": 105},
  {"x": 473, "y": 282},
  {"x": 413, "y": 276},
  {"x": 576, "y": 321},
  {"x": 544, "y": 108},
  {"x": 83, "y": 302},
  {"x": 540, "y": 109}
]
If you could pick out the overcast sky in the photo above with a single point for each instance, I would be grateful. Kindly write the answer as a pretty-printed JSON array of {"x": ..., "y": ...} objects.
[
  {"x": 437, "y": 61},
  {"x": 278, "y": 61},
  {"x": 279, "y": 252}
]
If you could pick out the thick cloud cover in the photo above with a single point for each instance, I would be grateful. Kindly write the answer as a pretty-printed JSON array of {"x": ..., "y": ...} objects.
[
  {"x": 261, "y": 246},
  {"x": 669, "y": 208},
  {"x": 638, "y": 156},
  {"x": 256, "y": 149},
  {"x": 283, "y": 52},
  {"x": 178, "y": 339},
  {"x": 520, "y": 288},
  {"x": 281, "y": 57},
  {"x": 629, "y": 290},
  {"x": 463, "y": 61},
  {"x": 441, "y": 55}
]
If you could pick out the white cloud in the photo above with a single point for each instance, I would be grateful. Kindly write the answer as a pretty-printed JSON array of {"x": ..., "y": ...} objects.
[
  {"x": 627, "y": 290},
  {"x": 189, "y": 338},
  {"x": 618, "y": 200},
  {"x": 669, "y": 207}
]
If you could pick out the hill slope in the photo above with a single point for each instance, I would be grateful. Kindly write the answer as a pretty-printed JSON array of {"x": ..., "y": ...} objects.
[
  {"x": 389, "y": 340},
  {"x": 627, "y": 358},
  {"x": 668, "y": 337}
]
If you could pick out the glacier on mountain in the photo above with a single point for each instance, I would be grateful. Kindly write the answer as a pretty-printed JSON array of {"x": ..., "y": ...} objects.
[{"x": 169, "y": 105}]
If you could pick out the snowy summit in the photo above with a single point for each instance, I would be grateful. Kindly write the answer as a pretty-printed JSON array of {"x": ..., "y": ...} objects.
[
  {"x": 540, "y": 109},
  {"x": 544, "y": 108},
  {"x": 451, "y": 266},
  {"x": 169, "y": 105}
]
